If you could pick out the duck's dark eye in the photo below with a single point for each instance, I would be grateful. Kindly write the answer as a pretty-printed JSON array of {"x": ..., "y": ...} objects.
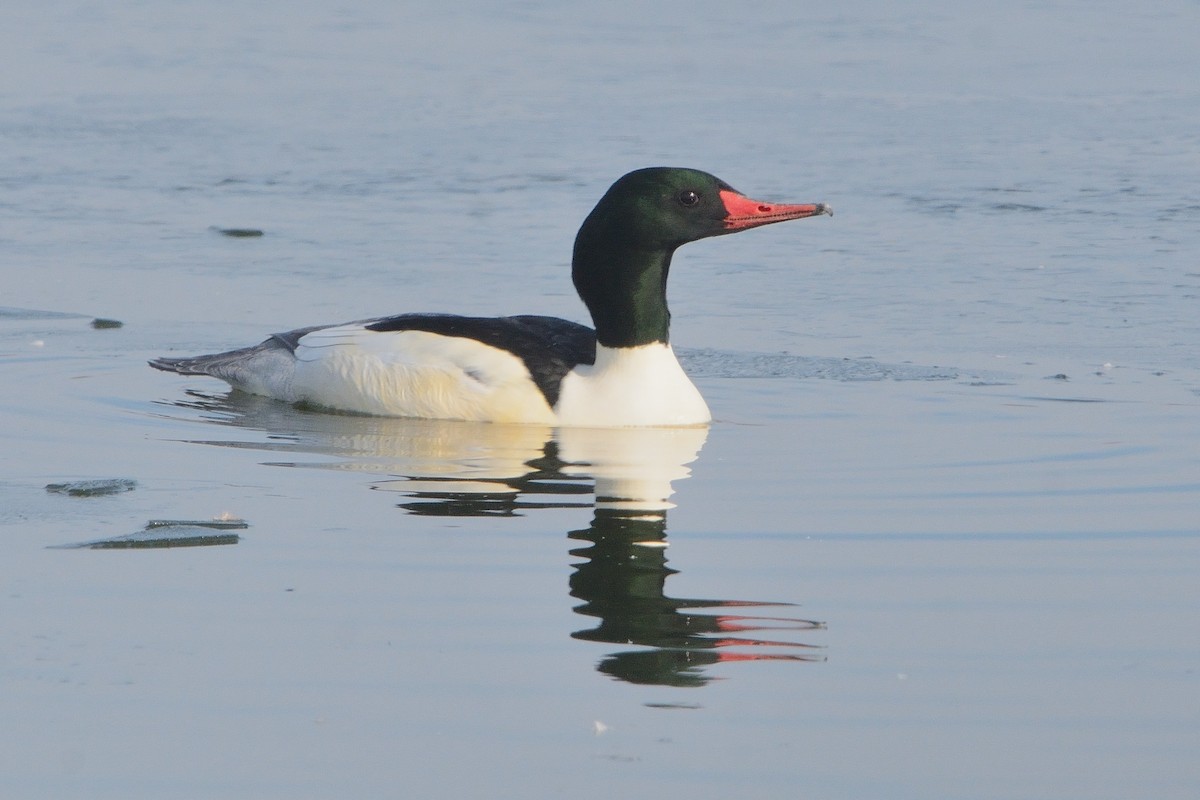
[{"x": 688, "y": 198}]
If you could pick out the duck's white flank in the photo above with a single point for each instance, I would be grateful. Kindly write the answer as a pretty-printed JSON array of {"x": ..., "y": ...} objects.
[
  {"x": 407, "y": 374},
  {"x": 631, "y": 387}
]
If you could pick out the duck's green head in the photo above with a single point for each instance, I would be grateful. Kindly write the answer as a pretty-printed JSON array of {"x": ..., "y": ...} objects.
[{"x": 623, "y": 250}]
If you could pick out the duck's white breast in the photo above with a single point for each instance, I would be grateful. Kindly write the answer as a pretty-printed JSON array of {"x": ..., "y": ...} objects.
[{"x": 631, "y": 387}]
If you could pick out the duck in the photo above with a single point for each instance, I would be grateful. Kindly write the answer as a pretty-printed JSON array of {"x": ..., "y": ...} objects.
[{"x": 621, "y": 373}]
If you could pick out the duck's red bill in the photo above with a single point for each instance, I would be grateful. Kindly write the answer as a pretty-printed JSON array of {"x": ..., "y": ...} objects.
[{"x": 741, "y": 212}]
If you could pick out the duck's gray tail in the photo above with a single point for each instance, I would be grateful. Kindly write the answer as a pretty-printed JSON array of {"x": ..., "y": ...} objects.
[
  {"x": 216, "y": 365},
  {"x": 265, "y": 369}
]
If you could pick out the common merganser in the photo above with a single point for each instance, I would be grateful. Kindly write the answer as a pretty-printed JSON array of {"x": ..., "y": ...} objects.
[{"x": 529, "y": 369}]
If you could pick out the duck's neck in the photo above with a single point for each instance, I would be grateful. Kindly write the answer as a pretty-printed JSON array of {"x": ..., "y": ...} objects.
[{"x": 624, "y": 288}]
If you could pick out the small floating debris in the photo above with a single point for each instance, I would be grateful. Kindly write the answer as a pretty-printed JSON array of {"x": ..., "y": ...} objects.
[
  {"x": 169, "y": 533},
  {"x": 223, "y": 523},
  {"x": 94, "y": 488},
  {"x": 102, "y": 324},
  {"x": 238, "y": 233}
]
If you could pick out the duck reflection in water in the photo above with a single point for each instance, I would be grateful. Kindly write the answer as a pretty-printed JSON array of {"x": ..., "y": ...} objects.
[
  {"x": 626, "y": 476},
  {"x": 622, "y": 583}
]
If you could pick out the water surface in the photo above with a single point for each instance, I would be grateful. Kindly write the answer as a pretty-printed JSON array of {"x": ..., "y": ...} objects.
[{"x": 940, "y": 542}]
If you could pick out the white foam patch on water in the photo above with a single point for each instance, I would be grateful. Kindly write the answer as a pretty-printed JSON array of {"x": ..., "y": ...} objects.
[{"x": 724, "y": 364}]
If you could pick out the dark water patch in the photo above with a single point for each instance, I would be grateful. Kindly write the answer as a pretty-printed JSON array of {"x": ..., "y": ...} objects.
[
  {"x": 1036, "y": 398},
  {"x": 1022, "y": 207},
  {"x": 1175, "y": 212},
  {"x": 936, "y": 205},
  {"x": 238, "y": 233}
]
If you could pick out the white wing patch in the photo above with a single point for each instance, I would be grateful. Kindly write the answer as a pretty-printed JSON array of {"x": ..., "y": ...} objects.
[{"x": 414, "y": 374}]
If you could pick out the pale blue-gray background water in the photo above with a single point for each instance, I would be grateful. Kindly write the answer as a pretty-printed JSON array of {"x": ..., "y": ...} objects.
[{"x": 957, "y": 422}]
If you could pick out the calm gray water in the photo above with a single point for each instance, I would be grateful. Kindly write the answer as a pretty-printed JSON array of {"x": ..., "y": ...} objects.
[{"x": 942, "y": 542}]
